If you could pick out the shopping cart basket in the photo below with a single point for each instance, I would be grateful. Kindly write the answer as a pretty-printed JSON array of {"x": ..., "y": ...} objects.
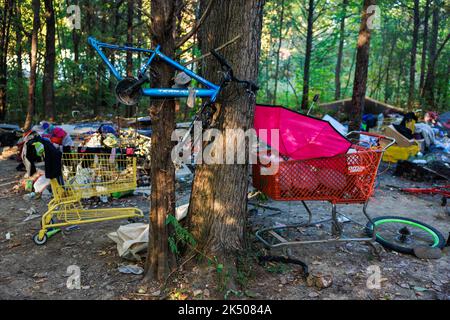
[
  {"x": 87, "y": 175},
  {"x": 342, "y": 179}
]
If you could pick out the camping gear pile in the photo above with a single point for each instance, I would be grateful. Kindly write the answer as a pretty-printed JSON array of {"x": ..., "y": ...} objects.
[
  {"x": 422, "y": 149},
  {"x": 420, "y": 140}
]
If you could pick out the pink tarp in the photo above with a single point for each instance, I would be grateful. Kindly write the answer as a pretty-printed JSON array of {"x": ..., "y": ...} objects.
[{"x": 300, "y": 137}]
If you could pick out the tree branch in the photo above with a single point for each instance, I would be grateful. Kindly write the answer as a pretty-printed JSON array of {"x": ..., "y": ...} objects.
[
  {"x": 194, "y": 29},
  {"x": 217, "y": 49}
]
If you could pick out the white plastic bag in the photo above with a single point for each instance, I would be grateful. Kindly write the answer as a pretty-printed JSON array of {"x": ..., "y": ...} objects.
[{"x": 41, "y": 184}]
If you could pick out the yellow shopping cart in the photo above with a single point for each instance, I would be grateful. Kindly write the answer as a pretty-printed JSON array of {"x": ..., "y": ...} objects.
[{"x": 86, "y": 175}]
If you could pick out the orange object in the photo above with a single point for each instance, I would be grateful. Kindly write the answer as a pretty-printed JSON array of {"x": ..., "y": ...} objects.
[
  {"x": 56, "y": 140},
  {"x": 346, "y": 178}
]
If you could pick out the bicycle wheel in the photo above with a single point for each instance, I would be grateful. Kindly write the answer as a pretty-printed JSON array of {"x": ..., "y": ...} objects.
[{"x": 404, "y": 234}]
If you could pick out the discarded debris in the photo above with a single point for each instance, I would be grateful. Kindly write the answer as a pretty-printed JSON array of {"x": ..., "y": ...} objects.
[
  {"x": 72, "y": 228},
  {"x": 319, "y": 280},
  {"x": 131, "y": 269},
  {"x": 142, "y": 191},
  {"x": 197, "y": 292},
  {"x": 32, "y": 214}
]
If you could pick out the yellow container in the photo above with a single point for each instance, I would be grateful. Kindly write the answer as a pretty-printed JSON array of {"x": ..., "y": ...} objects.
[
  {"x": 85, "y": 176},
  {"x": 396, "y": 153}
]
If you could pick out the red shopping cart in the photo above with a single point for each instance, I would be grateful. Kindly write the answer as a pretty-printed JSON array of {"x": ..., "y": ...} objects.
[{"x": 344, "y": 178}]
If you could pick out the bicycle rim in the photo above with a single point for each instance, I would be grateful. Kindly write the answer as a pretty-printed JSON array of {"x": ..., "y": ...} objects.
[{"x": 406, "y": 233}]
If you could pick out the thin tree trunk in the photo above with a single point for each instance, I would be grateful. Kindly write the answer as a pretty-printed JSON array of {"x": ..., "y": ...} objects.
[
  {"x": 280, "y": 42},
  {"x": 387, "y": 89},
  {"x": 350, "y": 74},
  {"x": 337, "y": 94},
  {"x": 33, "y": 65},
  {"x": 162, "y": 167},
  {"x": 130, "y": 14},
  {"x": 218, "y": 207},
  {"x": 428, "y": 88},
  {"x": 50, "y": 57},
  {"x": 5, "y": 29},
  {"x": 362, "y": 65},
  {"x": 306, "y": 70},
  {"x": 412, "y": 68},
  {"x": 425, "y": 45},
  {"x": 19, "y": 46}
]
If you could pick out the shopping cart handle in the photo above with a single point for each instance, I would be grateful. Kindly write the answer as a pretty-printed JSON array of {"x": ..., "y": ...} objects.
[{"x": 375, "y": 135}]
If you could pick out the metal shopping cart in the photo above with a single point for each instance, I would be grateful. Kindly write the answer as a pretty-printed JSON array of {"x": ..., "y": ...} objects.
[
  {"x": 342, "y": 179},
  {"x": 87, "y": 175}
]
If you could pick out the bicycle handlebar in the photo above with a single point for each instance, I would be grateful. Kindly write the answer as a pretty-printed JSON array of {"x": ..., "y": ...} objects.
[
  {"x": 223, "y": 62},
  {"x": 230, "y": 77}
]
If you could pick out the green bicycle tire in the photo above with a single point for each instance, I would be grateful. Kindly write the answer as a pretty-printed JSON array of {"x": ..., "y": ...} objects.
[{"x": 438, "y": 238}]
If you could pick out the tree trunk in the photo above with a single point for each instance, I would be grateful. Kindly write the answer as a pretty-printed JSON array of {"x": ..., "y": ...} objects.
[
  {"x": 428, "y": 88},
  {"x": 33, "y": 66},
  {"x": 5, "y": 29},
  {"x": 337, "y": 94},
  {"x": 50, "y": 56},
  {"x": 218, "y": 207},
  {"x": 306, "y": 70},
  {"x": 412, "y": 68},
  {"x": 387, "y": 87},
  {"x": 280, "y": 41},
  {"x": 130, "y": 13},
  {"x": 19, "y": 46},
  {"x": 425, "y": 45},
  {"x": 162, "y": 168},
  {"x": 362, "y": 65}
]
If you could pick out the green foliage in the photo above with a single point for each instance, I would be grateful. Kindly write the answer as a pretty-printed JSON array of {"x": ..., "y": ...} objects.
[
  {"x": 84, "y": 84},
  {"x": 181, "y": 235},
  {"x": 395, "y": 23}
]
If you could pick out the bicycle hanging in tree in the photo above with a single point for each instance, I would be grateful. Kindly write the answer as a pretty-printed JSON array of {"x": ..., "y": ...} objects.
[{"x": 130, "y": 89}]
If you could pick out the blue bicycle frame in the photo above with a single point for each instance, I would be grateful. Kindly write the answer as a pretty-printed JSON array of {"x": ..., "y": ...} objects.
[{"x": 210, "y": 91}]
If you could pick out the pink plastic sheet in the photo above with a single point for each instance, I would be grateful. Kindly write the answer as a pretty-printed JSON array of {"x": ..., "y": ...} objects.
[{"x": 300, "y": 137}]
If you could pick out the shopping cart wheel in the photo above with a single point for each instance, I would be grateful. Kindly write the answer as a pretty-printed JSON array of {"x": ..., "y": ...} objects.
[
  {"x": 404, "y": 234},
  {"x": 40, "y": 242}
]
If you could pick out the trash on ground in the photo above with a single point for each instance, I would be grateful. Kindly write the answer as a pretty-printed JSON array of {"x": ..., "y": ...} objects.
[
  {"x": 32, "y": 214},
  {"x": 319, "y": 280},
  {"x": 131, "y": 239},
  {"x": 131, "y": 269},
  {"x": 142, "y": 191},
  {"x": 72, "y": 228}
]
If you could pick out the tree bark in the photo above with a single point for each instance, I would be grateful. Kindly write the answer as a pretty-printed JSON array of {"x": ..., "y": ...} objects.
[
  {"x": 130, "y": 14},
  {"x": 162, "y": 168},
  {"x": 5, "y": 29},
  {"x": 425, "y": 45},
  {"x": 337, "y": 94},
  {"x": 428, "y": 88},
  {"x": 50, "y": 57},
  {"x": 19, "y": 46},
  {"x": 412, "y": 68},
  {"x": 306, "y": 70},
  {"x": 280, "y": 41},
  {"x": 387, "y": 87},
  {"x": 362, "y": 65},
  {"x": 218, "y": 207},
  {"x": 33, "y": 65}
]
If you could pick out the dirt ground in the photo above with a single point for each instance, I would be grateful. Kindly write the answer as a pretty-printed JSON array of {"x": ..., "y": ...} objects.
[{"x": 28, "y": 271}]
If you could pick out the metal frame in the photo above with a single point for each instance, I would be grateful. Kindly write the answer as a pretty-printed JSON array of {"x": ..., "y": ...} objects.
[
  {"x": 337, "y": 230},
  {"x": 210, "y": 91}
]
